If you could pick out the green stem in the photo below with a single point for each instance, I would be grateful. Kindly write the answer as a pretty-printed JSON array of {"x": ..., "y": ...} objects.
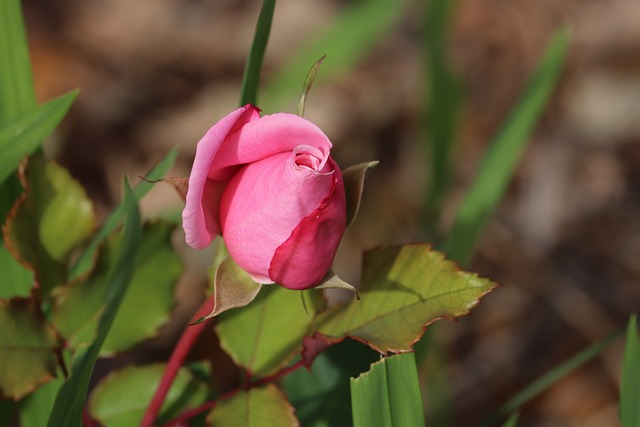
[{"x": 251, "y": 77}]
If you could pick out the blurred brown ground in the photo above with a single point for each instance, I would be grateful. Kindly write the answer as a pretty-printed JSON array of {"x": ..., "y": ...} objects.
[{"x": 564, "y": 243}]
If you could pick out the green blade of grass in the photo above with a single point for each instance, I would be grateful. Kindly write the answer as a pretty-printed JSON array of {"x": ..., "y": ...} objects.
[
  {"x": 16, "y": 83},
  {"x": 67, "y": 410},
  {"x": 388, "y": 395},
  {"x": 503, "y": 154},
  {"x": 512, "y": 421},
  {"x": 548, "y": 379},
  {"x": 251, "y": 77},
  {"x": 443, "y": 103},
  {"x": 348, "y": 39},
  {"x": 24, "y": 135},
  {"x": 630, "y": 382},
  {"x": 85, "y": 260}
]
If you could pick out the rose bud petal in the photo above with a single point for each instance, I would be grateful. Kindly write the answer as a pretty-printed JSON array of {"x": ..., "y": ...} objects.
[{"x": 270, "y": 187}]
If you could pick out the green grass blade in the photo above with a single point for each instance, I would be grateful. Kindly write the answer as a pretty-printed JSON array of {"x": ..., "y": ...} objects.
[
  {"x": 503, "y": 154},
  {"x": 67, "y": 410},
  {"x": 346, "y": 41},
  {"x": 630, "y": 383},
  {"x": 85, "y": 260},
  {"x": 251, "y": 77},
  {"x": 548, "y": 379},
  {"x": 512, "y": 421},
  {"x": 443, "y": 103},
  {"x": 388, "y": 395},
  {"x": 22, "y": 136},
  {"x": 16, "y": 83}
]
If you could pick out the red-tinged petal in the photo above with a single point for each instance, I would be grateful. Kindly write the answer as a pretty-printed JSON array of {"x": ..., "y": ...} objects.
[
  {"x": 200, "y": 215},
  {"x": 259, "y": 139},
  {"x": 266, "y": 200},
  {"x": 305, "y": 257}
]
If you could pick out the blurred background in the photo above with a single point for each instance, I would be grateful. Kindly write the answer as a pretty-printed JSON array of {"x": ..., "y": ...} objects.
[{"x": 564, "y": 242}]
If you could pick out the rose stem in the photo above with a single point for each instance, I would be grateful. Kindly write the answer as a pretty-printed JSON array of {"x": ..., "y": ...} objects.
[{"x": 180, "y": 352}]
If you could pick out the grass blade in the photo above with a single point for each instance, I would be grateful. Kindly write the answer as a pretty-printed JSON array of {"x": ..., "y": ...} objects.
[
  {"x": 85, "y": 260},
  {"x": 512, "y": 421},
  {"x": 67, "y": 410},
  {"x": 630, "y": 384},
  {"x": 16, "y": 83},
  {"x": 503, "y": 154},
  {"x": 443, "y": 103},
  {"x": 548, "y": 379},
  {"x": 22, "y": 136},
  {"x": 388, "y": 395},
  {"x": 251, "y": 77}
]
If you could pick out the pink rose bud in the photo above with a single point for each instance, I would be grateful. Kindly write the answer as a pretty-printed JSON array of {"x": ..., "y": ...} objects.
[{"x": 269, "y": 186}]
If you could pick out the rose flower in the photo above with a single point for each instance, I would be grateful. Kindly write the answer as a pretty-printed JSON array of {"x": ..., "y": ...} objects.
[{"x": 269, "y": 186}]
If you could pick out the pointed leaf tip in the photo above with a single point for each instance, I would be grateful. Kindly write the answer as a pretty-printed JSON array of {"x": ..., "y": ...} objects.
[
  {"x": 353, "y": 177},
  {"x": 311, "y": 76},
  {"x": 197, "y": 322},
  {"x": 332, "y": 281},
  {"x": 180, "y": 185}
]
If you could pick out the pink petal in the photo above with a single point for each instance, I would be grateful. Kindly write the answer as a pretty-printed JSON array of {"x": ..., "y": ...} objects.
[
  {"x": 277, "y": 133},
  {"x": 306, "y": 256},
  {"x": 265, "y": 201},
  {"x": 200, "y": 215}
]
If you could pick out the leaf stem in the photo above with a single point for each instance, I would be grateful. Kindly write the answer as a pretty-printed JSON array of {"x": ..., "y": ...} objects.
[
  {"x": 184, "y": 417},
  {"x": 180, "y": 352},
  {"x": 281, "y": 373}
]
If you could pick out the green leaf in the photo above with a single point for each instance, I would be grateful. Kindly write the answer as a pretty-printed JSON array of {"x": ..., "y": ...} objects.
[
  {"x": 251, "y": 77},
  {"x": 311, "y": 76},
  {"x": 388, "y": 395},
  {"x": 258, "y": 407},
  {"x": 503, "y": 154},
  {"x": 121, "y": 398},
  {"x": 22, "y": 135},
  {"x": 353, "y": 178},
  {"x": 27, "y": 348},
  {"x": 16, "y": 84},
  {"x": 233, "y": 287},
  {"x": 266, "y": 334},
  {"x": 347, "y": 40},
  {"x": 67, "y": 410},
  {"x": 404, "y": 288},
  {"x": 321, "y": 395},
  {"x": 146, "y": 306},
  {"x": 86, "y": 259},
  {"x": 53, "y": 219},
  {"x": 548, "y": 379},
  {"x": 15, "y": 280},
  {"x": 630, "y": 383},
  {"x": 36, "y": 407}
]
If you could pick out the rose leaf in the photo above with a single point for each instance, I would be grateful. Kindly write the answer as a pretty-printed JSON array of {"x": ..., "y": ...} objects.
[
  {"x": 121, "y": 398},
  {"x": 158, "y": 268},
  {"x": 52, "y": 218},
  {"x": 257, "y": 407},
  {"x": 404, "y": 289},
  {"x": 27, "y": 348},
  {"x": 265, "y": 335}
]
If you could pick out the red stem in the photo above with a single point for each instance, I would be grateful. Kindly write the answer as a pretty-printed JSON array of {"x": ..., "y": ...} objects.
[
  {"x": 281, "y": 373},
  {"x": 187, "y": 415},
  {"x": 184, "y": 417},
  {"x": 180, "y": 352}
]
